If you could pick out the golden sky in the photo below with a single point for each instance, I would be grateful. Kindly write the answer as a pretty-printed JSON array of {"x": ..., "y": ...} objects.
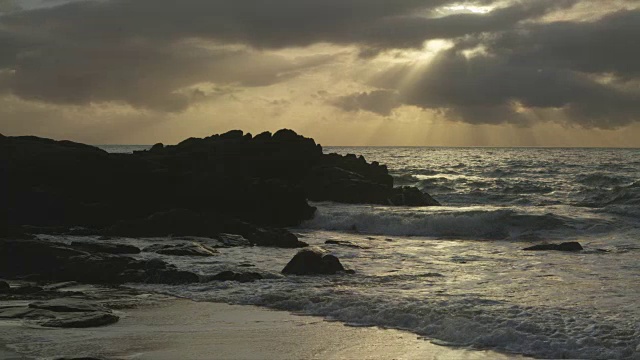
[{"x": 346, "y": 72}]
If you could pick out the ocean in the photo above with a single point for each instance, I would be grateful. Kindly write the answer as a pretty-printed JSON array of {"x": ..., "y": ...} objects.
[{"x": 457, "y": 275}]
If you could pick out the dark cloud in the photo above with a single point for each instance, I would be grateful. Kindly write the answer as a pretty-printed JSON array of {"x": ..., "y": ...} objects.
[
  {"x": 584, "y": 70},
  {"x": 381, "y": 102},
  {"x": 142, "y": 75},
  {"x": 136, "y": 51},
  {"x": 608, "y": 45},
  {"x": 145, "y": 53},
  {"x": 411, "y": 31}
]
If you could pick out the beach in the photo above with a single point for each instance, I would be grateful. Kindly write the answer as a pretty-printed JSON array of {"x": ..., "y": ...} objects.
[{"x": 183, "y": 329}]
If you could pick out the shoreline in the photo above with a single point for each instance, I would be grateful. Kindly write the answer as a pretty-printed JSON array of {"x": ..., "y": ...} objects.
[{"x": 174, "y": 328}]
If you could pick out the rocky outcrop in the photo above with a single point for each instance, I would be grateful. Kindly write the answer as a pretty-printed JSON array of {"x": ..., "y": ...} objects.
[
  {"x": 565, "y": 246},
  {"x": 68, "y": 313},
  {"x": 312, "y": 262},
  {"x": 264, "y": 180},
  {"x": 174, "y": 222},
  {"x": 351, "y": 179},
  {"x": 50, "y": 261}
]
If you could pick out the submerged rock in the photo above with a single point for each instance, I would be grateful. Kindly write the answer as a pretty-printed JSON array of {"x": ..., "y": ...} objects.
[
  {"x": 184, "y": 249},
  {"x": 82, "y": 320},
  {"x": 67, "y": 305},
  {"x": 239, "y": 277},
  {"x": 565, "y": 246},
  {"x": 411, "y": 196},
  {"x": 309, "y": 262},
  {"x": 107, "y": 248},
  {"x": 343, "y": 243}
]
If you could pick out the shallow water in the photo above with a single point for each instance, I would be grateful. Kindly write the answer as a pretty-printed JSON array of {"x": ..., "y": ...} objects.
[{"x": 456, "y": 274}]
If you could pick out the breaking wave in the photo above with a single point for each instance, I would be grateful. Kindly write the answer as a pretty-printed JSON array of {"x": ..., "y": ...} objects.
[{"x": 492, "y": 224}]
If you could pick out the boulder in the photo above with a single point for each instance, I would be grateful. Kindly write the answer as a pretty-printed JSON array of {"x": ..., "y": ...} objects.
[
  {"x": 274, "y": 238},
  {"x": 565, "y": 246},
  {"x": 233, "y": 240},
  {"x": 310, "y": 262},
  {"x": 172, "y": 277},
  {"x": 107, "y": 248},
  {"x": 184, "y": 249}
]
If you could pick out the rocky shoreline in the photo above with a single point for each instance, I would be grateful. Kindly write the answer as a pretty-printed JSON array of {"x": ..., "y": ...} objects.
[{"x": 233, "y": 189}]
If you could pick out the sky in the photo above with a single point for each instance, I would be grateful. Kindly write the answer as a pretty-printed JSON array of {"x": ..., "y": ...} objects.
[{"x": 345, "y": 72}]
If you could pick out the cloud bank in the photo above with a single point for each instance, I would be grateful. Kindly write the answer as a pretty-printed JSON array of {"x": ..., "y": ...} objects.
[{"x": 514, "y": 62}]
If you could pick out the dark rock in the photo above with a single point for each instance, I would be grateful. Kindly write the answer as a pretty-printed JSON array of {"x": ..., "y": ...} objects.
[
  {"x": 411, "y": 196},
  {"x": 154, "y": 264},
  {"x": 308, "y": 262},
  {"x": 85, "y": 320},
  {"x": 184, "y": 249},
  {"x": 234, "y": 276},
  {"x": 60, "y": 285},
  {"x": 274, "y": 238},
  {"x": 25, "y": 289},
  {"x": 67, "y": 305},
  {"x": 232, "y": 240},
  {"x": 58, "y": 262},
  {"x": 157, "y": 148},
  {"x": 331, "y": 183},
  {"x": 175, "y": 222},
  {"x": 565, "y": 246},
  {"x": 107, "y": 248},
  {"x": 22, "y": 257},
  {"x": 264, "y": 180},
  {"x": 343, "y": 243},
  {"x": 4, "y": 287},
  {"x": 351, "y": 179},
  {"x": 172, "y": 277},
  {"x": 14, "y": 312}
]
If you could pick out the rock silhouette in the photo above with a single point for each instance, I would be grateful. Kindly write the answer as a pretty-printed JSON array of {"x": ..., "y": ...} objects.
[{"x": 264, "y": 180}]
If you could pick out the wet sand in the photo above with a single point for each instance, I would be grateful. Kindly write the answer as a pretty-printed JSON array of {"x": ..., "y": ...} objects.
[{"x": 184, "y": 329}]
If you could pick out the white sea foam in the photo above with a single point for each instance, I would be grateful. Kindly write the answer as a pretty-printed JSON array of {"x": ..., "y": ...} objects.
[{"x": 469, "y": 223}]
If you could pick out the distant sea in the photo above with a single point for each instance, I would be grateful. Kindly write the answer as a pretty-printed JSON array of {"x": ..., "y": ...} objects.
[{"x": 456, "y": 274}]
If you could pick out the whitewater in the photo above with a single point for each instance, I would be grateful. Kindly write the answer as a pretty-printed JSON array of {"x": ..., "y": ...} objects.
[{"x": 457, "y": 274}]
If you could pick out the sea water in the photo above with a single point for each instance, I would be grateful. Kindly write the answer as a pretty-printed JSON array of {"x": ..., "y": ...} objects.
[{"x": 457, "y": 274}]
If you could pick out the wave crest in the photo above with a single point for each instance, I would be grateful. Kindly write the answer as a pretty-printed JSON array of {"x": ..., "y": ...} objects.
[{"x": 464, "y": 224}]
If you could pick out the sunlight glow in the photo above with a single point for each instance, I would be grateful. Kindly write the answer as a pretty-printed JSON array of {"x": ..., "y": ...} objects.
[{"x": 468, "y": 8}]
